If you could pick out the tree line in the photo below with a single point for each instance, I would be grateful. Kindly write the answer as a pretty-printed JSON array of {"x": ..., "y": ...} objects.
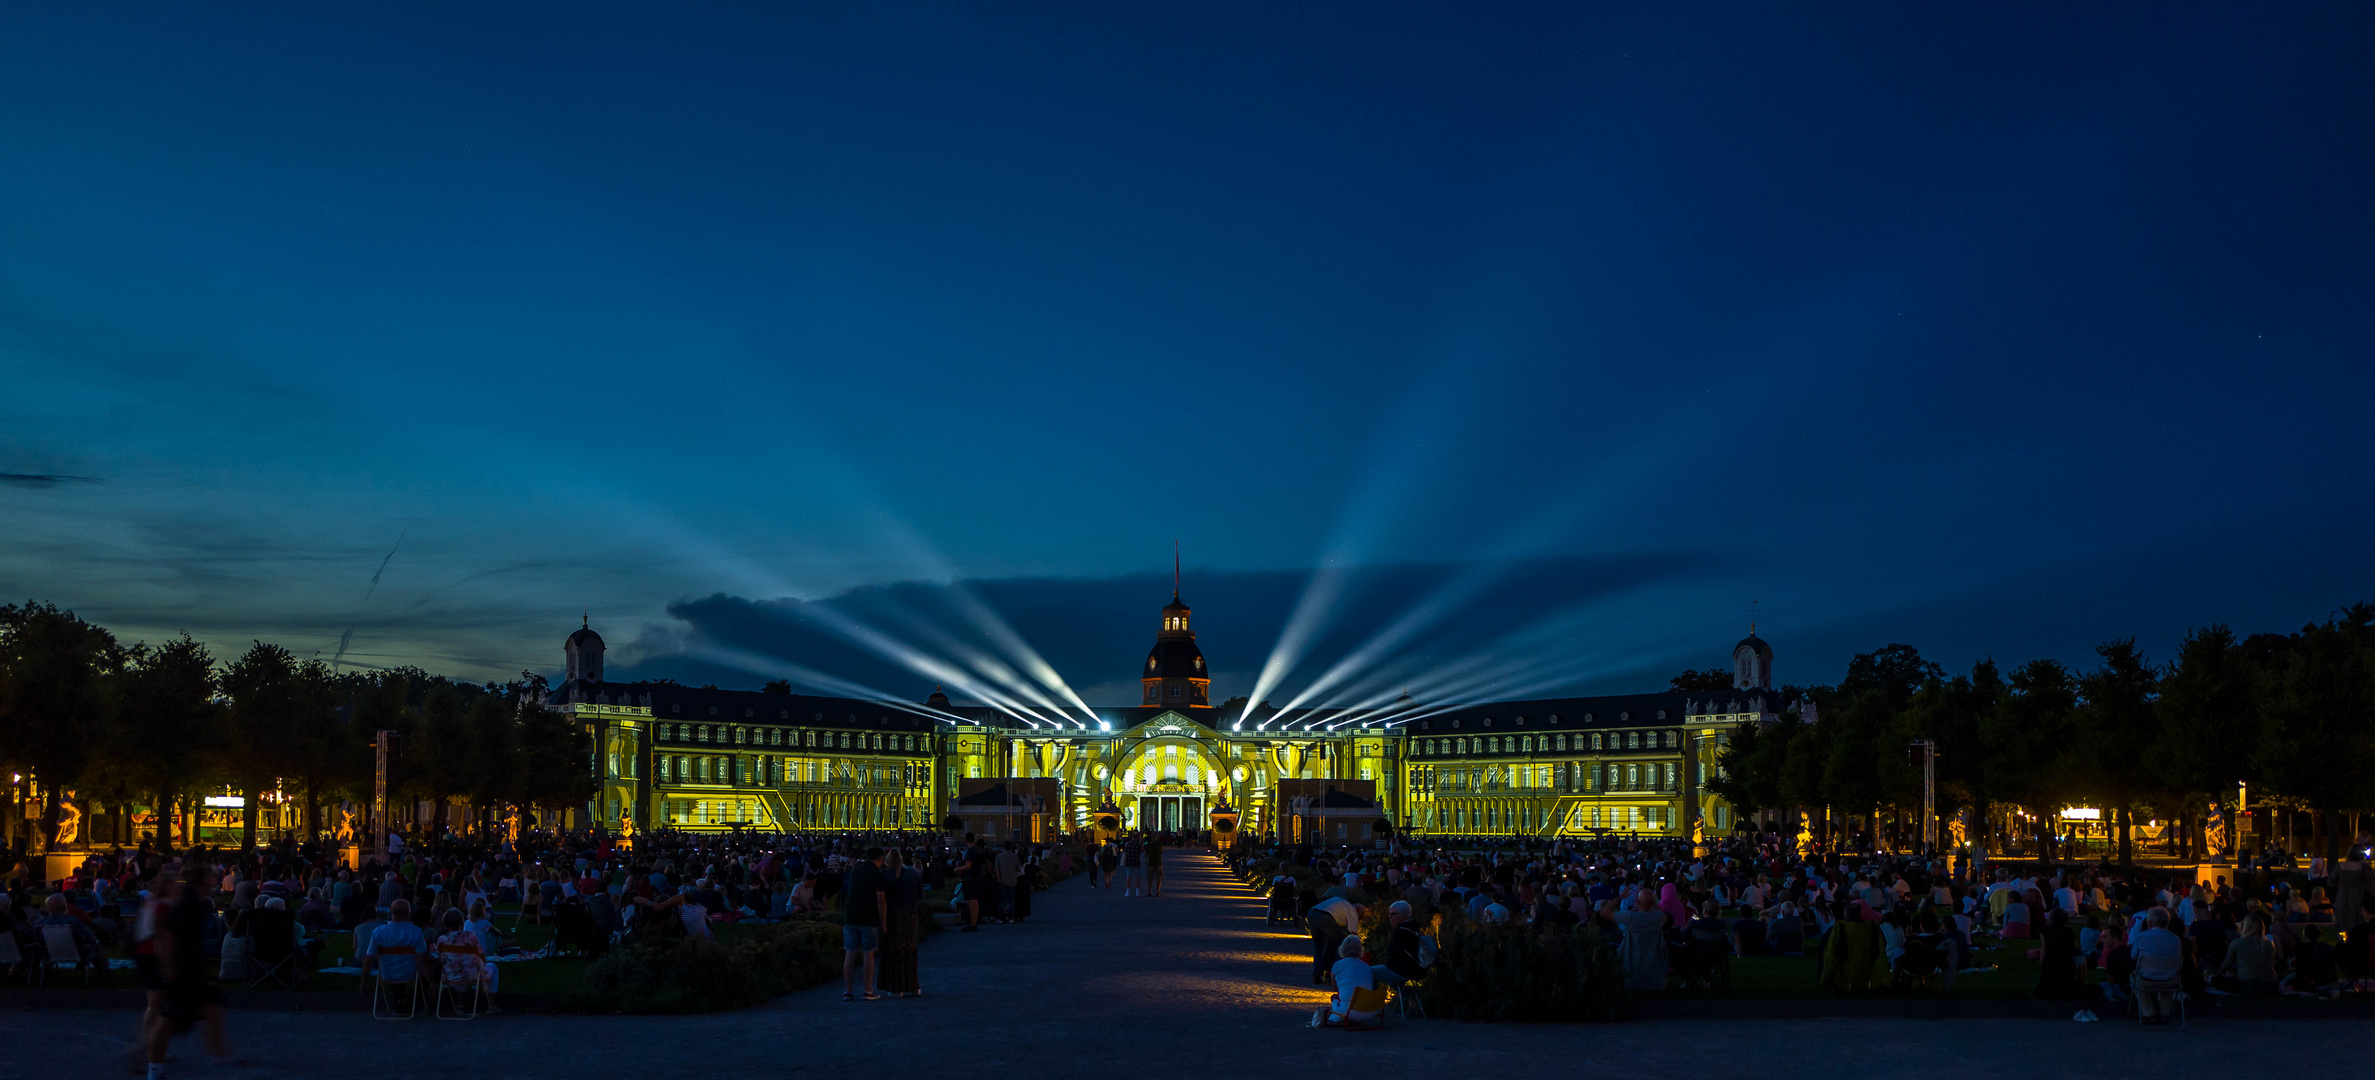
[
  {"x": 88, "y": 718},
  {"x": 2292, "y": 716}
]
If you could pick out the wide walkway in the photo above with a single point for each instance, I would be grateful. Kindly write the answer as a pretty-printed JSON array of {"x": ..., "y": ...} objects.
[{"x": 1188, "y": 983}]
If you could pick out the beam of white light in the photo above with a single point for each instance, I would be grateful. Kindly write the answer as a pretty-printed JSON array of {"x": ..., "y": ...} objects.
[
  {"x": 914, "y": 659},
  {"x": 1313, "y": 610},
  {"x": 768, "y": 665},
  {"x": 970, "y": 606},
  {"x": 988, "y": 666}
]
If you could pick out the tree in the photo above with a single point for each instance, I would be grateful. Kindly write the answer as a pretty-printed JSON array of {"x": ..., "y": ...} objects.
[
  {"x": 168, "y": 723},
  {"x": 2116, "y": 724},
  {"x": 777, "y": 686},
  {"x": 2321, "y": 720},
  {"x": 2024, "y": 741},
  {"x": 556, "y": 758},
  {"x": 1699, "y": 682},
  {"x": 2210, "y": 712},
  {"x": 268, "y": 722},
  {"x": 1954, "y": 712},
  {"x": 1896, "y": 671},
  {"x": 55, "y": 699}
]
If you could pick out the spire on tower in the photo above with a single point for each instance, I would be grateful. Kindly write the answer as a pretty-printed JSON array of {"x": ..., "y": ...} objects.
[{"x": 1174, "y": 569}]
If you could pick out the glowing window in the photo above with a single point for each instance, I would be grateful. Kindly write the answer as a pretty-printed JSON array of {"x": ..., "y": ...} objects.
[{"x": 1632, "y": 740}]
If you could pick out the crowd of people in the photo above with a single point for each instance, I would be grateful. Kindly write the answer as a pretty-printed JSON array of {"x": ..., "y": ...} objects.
[
  {"x": 451, "y": 909},
  {"x": 1676, "y": 912}
]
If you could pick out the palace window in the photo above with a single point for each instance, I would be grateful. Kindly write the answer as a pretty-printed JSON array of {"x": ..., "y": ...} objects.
[
  {"x": 1632, "y": 777},
  {"x": 1562, "y": 741},
  {"x": 1595, "y": 740},
  {"x": 1632, "y": 740},
  {"x": 1528, "y": 744},
  {"x": 1673, "y": 739}
]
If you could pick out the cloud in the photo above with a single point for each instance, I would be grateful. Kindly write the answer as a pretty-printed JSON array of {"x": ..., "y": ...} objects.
[
  {"x": 45, "y": 480},
  {"x": 1095, "y": 631}
]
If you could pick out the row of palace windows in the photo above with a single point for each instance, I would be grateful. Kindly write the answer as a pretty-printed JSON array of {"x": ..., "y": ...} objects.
[
  {"x": 1527, "y": 744},
  {"x": 1503, "y": 818},
  {"x": 771, "y": 771},
  {"x": 1625, "y": 717},
  {"x": 752, "y": 736},
  {"x": 1568, "y": 776}
]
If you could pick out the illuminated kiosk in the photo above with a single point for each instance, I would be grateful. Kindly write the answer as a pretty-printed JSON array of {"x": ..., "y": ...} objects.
[
  {"x": 1106, "y": 822},
  {"x": 1014, "y": 809},
  {"x": 1224, "y": 826}
]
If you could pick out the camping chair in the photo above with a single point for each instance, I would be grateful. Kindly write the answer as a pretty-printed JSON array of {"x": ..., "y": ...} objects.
[
  {"x": 58, "y": 941},
  {"x": 2175, "y": 988},
  {"x": 1368, "y": 1010},
  {"x": 272, "y": 949},
  {"x": 378, "y": 983},
  {"x": 469, "y": 997},
  {"x": 1922, "y": 962},
  {"x": 1406, "y": 995}
]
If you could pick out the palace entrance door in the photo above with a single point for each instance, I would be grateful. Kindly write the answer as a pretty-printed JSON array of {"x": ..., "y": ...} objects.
[{"x": 1170, "y": 813}]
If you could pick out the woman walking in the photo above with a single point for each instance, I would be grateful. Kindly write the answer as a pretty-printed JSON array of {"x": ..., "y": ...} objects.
[{"x": 897, "y": 958}]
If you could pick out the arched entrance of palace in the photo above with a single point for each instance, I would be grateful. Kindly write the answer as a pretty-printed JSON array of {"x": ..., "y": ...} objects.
[{"x": 1170, "y": 777}]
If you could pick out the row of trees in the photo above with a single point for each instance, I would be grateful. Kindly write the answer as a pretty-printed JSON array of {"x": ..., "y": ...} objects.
[
  {"x": 2290, "y": 715},
  {"x": 85, "y": 717}
]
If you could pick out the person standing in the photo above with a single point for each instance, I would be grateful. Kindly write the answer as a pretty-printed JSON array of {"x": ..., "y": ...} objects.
[
  {"x": 1133, "y": 868},
  {"x": 1010, "y": 871},
  {"x": 896, "y": 961},
  {"x": 865, "y": 908},
  {"x": 1109, "y": 859},
  {"x": 1154, "y": 866}
]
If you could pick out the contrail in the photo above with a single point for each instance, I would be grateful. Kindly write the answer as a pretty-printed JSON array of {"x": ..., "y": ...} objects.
[
  {"x": 383, "y": 567},
  {"x": 349, "y": 636}
]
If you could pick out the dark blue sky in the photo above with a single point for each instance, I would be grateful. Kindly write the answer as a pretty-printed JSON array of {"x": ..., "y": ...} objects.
[{"x": 2001, "y": 332}]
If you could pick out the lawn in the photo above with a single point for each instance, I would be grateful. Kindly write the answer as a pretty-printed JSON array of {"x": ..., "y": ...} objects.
[{"x": 2015, "y": 976}]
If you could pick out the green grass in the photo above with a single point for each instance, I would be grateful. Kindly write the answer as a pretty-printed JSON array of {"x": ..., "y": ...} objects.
[{"x": 2014, "y": 977}]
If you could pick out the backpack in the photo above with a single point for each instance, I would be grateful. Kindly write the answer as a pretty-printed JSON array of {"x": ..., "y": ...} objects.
[{"x": 1426, "y": 950}]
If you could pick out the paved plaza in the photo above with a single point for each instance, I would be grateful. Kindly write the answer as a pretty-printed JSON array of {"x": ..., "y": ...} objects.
[{"x": 1190, "y": 983}]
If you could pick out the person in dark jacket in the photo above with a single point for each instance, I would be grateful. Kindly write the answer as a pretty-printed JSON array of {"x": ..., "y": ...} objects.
[{"x": 1401, "y": 952}]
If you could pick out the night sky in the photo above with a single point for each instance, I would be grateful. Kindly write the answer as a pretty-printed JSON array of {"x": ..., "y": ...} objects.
[{"x": 1566, "y": 341}]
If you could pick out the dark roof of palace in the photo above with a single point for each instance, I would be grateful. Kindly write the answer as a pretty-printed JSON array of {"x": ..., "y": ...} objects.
[
  {"x": 1175, "y": 658},
  {"x": 668, "y": 702}
]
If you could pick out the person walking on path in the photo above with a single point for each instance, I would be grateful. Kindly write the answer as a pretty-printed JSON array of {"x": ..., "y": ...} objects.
[
  {"x": 1154, "y": 866},
  {"x": 190, "y": 999},
  {"x": 865, "y": 908}
]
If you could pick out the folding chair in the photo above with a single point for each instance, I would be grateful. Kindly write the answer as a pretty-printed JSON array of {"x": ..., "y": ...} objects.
[
  {"x": 379, "y": 984},
  {"x": 58, "y": 941},
  {"x": 10, "y": 958},
  {"x": 2175, "y": 988},
  {"x": 471, "y": 993},
  {"x": 1406, "y": 995},
  {"x": 1368, "y": 1010},
  {"x": 272, "y": 949}
]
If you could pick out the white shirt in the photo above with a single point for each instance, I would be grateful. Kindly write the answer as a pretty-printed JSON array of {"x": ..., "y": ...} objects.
[{"x": 1341, "y": 910}]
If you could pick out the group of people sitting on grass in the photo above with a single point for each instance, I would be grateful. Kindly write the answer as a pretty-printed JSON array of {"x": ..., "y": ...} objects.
[
  {"x": 1679, "y": 913},
  {"x": 456, "y": 908}
]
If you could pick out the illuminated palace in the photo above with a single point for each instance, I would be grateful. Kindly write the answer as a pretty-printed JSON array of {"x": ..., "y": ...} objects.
[{"x": 707, "y": 759}]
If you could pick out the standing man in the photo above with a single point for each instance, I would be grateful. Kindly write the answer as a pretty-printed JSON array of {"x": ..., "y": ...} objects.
[
  {"x": 1133, "y": 867},
  {"x": 865, "y": 907},
  {"x": 1154, "y": 865},
  {"x": 1010, "y": 871}
]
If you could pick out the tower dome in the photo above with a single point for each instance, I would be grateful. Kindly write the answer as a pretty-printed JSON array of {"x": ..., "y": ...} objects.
[
  {"x": 1752, "y": 663},
  {"x": 582, "y": 654},
  {"x": 1175, "y": 675}
]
